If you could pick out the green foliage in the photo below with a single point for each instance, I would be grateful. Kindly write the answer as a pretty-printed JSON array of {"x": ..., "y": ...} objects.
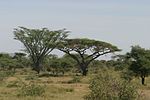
[
  {"x": 5, "y": 74},
  {"x": 120, "y": 62},
  {"x": 57, "y": 66},
  {"x": 39, "y": 43},
  {"x": 97, "y": 65},
  {"x": 86, "y": 51},
  {"x": 31, "y": 89},
  {"x": 141, "y": 62},
  {"x": 108, "y": 86},
  {"x": 10, "y": 62},
  {"x": 6, "y": 62},
  {"x": 127, "y": 75},
  {"x": 22, "y": 60}
]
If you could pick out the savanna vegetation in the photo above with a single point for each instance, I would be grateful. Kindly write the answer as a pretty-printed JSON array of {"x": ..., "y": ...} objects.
[{"x": 35, "y": 73}]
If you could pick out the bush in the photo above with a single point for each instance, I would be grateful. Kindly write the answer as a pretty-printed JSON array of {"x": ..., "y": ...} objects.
[
  {"x": 5, "y": 74},
  {"x": 127, "y": 75},
  {"x": 108, "y": 86},
  {"x": 31, "y": 89}
]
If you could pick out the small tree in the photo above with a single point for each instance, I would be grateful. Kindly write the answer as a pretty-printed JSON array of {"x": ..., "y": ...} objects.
[
  {"x": 141, "y": 62},
  {"x": 87, "y": 50},
  {"x": 39, "y": 43}
]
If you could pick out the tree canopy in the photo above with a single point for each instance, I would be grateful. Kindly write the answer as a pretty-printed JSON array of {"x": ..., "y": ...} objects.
[
  {"x": 87, "y": 50},
  {"x": 39, "y": 42},
  {"x": 140, "y": 62}
]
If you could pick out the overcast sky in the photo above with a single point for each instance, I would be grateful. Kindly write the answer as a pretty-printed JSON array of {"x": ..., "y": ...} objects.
[{"x": 121, "y": 22}]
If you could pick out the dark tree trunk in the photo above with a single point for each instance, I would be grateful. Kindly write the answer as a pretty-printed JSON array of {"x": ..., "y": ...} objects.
[
  {"x": 84, "y": 73},
  {"x": 84, "y": 69},
  {"x": 143, "y": 80},
  {"x": 37, "y": 67},
  {"x": 38, "y": 70}
]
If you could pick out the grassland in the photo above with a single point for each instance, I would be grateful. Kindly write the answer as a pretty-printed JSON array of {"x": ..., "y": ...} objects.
[{"x": 56, "y": 88}]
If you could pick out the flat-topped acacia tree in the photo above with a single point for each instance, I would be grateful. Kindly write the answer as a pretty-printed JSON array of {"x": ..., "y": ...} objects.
[
  {"x": 86, "y": 51},
  {"x": 39, "y": 43}
]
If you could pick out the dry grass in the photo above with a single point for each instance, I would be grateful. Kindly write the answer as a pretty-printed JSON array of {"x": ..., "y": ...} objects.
[
  {"x": 144, "y": 90},
  {"x": 56, "y": 88}
]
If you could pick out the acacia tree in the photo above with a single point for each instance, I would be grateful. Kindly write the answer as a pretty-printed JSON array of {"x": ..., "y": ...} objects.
[
  {"x": 141, "y": 62},
  {"x": 87, "y": 50},
  {"x": 39, "y": 43}
]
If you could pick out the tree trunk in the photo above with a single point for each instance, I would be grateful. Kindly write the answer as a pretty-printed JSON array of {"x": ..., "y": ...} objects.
[
  {"x": 84, "y": 73},
  {"x": 37, "y": 67},
  {"x": 143, "y": 80},
  {"x": 84, "y": 69}
]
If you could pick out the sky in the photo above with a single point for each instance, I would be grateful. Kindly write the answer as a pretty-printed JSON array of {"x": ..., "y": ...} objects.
[{"x": 120, "y": 22}]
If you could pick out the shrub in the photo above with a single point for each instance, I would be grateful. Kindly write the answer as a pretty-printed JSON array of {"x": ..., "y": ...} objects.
[
  {"x": 108, "y": 86},
  {"x": 127, "y": 75},
  {"x": 5, "y": 74},
  {"x": 31, "y": 89}
]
